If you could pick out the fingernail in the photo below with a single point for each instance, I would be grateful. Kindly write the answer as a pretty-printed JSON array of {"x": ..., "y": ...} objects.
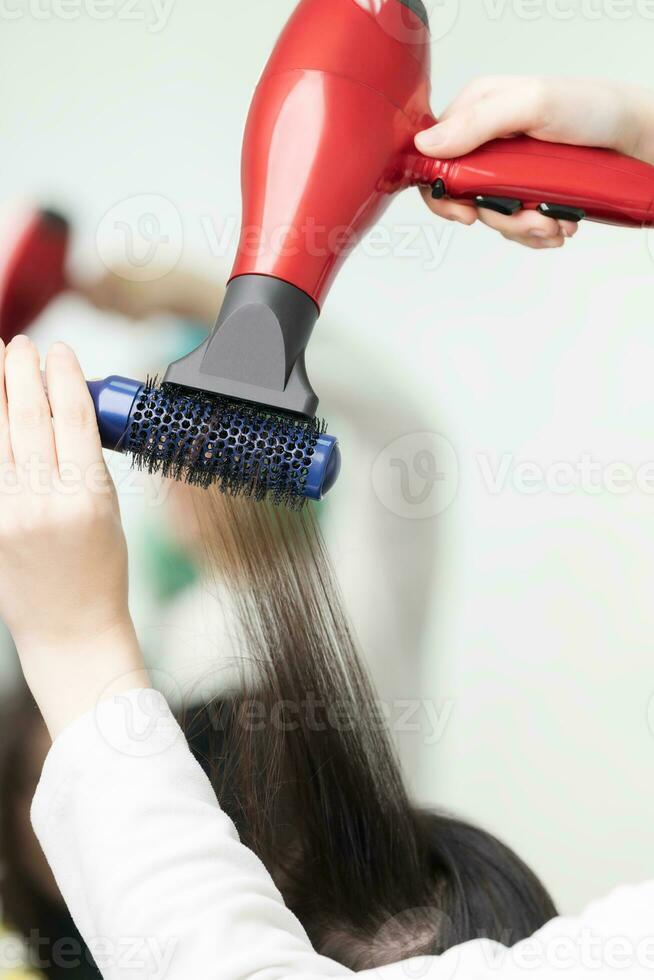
[
  {"x": 59, "y": 347},
  {"x": 430, "y": 139},
  {"x": 539, "y": 233},
  {"x": 20, "y": 340}
]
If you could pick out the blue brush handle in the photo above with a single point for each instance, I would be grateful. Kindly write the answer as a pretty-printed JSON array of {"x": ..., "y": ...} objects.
[
  {"x": 324, "y": 469},
  {"x": 115, "y": 399}
]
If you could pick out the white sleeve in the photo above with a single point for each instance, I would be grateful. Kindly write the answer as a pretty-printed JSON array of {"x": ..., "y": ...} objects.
[{"x": 161, "y": 888}]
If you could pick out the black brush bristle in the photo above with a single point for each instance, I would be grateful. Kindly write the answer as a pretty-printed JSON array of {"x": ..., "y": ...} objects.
[{"x": 205, "y": 440}]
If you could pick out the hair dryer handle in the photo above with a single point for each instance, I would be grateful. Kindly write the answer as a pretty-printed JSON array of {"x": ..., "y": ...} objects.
[{"x": 562, "y": 181}]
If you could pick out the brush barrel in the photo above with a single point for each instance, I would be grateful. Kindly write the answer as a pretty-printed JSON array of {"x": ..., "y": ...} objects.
[{"x": 206, "y": 441}]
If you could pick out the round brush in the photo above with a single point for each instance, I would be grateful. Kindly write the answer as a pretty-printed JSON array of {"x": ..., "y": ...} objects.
[{"x": 210, "y": 440}]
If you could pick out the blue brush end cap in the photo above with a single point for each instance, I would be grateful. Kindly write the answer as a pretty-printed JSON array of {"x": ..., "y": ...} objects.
[
  {"x": 114, "y": 399},
  {"x": 324, "y": 469}
]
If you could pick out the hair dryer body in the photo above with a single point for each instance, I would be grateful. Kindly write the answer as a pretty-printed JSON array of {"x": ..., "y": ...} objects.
[
  {"x": 329, "y": 140},
  {"x": 330, "y": 136}
]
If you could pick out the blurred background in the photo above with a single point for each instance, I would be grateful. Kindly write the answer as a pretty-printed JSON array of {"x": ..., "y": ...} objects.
[{"x": 493, "y": 527}]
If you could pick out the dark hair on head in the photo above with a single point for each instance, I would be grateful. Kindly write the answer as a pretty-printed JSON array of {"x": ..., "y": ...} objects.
[
  {"x": 20, "y": 720},
  {"x": 42, "y": 922},
  {"x": 301, "y": 760}
]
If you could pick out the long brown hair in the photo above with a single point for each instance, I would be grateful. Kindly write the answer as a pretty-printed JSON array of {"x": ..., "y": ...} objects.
[{"x": 302, "y": 761}]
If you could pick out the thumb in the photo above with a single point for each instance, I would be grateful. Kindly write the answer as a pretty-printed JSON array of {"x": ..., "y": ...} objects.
[
  {"x": 493, "y": 116},
  {"x": 450, "y": 138}
]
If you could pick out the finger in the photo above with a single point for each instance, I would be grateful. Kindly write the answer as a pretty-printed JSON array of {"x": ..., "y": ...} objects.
[
  {"x": 76, "y": 432},
  {"x": 569, "y": 228},
  {"x": 526, "y": 225},
  {"x": 30, "y": 423},
  {"x": 517, "y": 109},
  {"x": 537, "y": 244},
  {"x": 6, "y": 455},
  {"x": 450, "y": 210},
  {"x": 467, "y": 214}
]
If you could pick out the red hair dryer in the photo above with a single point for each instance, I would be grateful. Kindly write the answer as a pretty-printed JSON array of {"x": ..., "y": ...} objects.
[
  {"x": 331, "y": 137},
  {"x": 34, "y": 271},
  {"x": 329, "y": 140}
]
